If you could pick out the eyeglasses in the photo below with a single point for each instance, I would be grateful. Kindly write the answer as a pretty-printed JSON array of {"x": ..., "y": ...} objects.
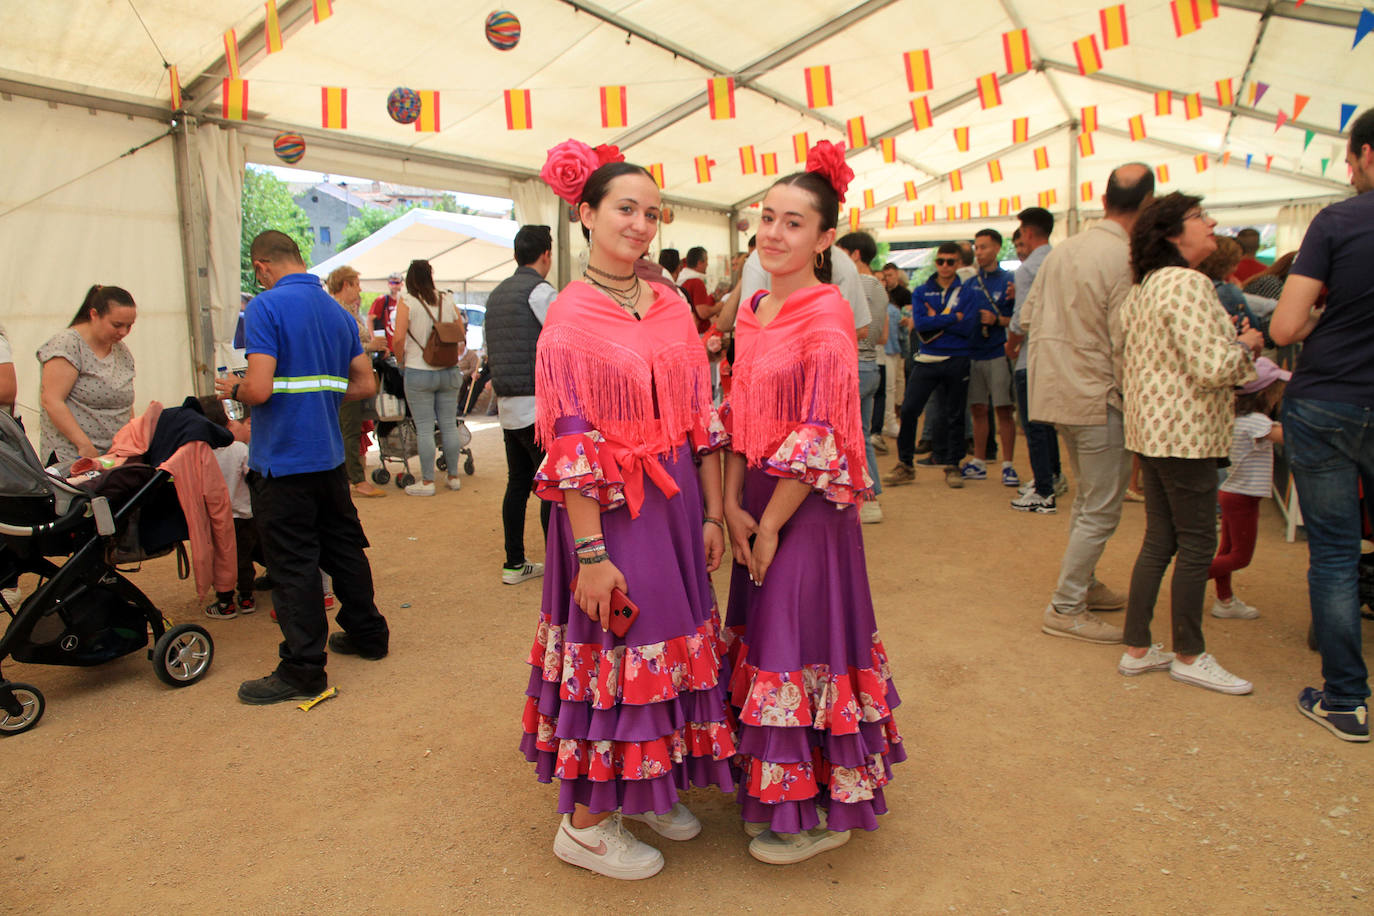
[
  {"x": 1201, "y": 214},
  {"x": 946, "y": 261}
]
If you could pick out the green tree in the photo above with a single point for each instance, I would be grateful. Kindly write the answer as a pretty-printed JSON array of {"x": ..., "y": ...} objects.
[{"x": 267, "y": 204}]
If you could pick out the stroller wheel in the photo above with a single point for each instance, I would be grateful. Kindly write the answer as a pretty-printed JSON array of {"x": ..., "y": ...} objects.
[
  {"x": 405, "y": 480},
  {"x": 27, "y": 700},
  {"x": 381, "y": 476},
  {"x": 441, "y": 463},
  {"x": 469, "y": 466},
  {"x": 182, "y": 655}
]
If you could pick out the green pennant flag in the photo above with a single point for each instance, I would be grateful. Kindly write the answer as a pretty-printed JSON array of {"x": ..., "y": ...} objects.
[
  {"x": 1307, "y": 140},
  {"x": 1325, "y": 163}
]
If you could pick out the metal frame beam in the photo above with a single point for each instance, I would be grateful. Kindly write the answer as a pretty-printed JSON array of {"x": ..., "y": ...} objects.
[
  {"x": 54, "y": 95},
  {"x": 1249, "y": 67},
  {"x": 1236, "y": 162},
  {"x": 1306, "y": 12},
  {"x": 198, "y": 93}
]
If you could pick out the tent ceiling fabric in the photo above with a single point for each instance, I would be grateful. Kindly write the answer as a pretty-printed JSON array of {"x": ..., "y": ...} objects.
[
  {"x": 460, "y": 248},
  {"x": 569, "y": 49}
]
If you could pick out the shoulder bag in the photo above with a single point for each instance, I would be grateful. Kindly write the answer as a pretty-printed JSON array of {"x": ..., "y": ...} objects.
[{"x": 440, "y": 349}]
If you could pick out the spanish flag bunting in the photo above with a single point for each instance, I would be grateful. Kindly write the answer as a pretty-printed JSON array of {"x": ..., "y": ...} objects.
[
  {"x": 909, "y": 188},
  {"x": 1164, "y": 102},
  {"x": 854, "y": 216},
  {"x": 918, "y": 218},
  {"x": 703, "y": 166},
  {"x": 519, "y": 116},
  {"x": 1186, "y": 20},
  {"x": 615, "y": 111},
  {"x": 892, "y": 217},
  {"x": 1085, "y": 52},
  {"x": 1085, "y": 192},
  {"x": 1087, "y": 119},
  {"x": 1085, "y": 145},
  {"x": 965, "y": 210},
  {"x": 956, "y": 180},
  {"x": 868, "y": 198},
  {"x": 1162, "y": 174},
  {"x": 856, "y": 133},
  {"x": 175, "y": 86},
  {"x": 951, "y": 213},
  {"x": 1200, "y": 162},
  {"x": 930, "y": 213},
  {"x": 918, "y": 71},
  {"x": 1192, "y": 105},
  {"x": 1049, "y": 198},
  {"x": 1299, "y": 103},
  {"x": 334, "y": 107},
  {"x": 272, "y": 28},
  {"x": 231, "y": 53},
  {"x": 889, "y": 148},
  {"x": 1042, "y": 158},
  {"x": 770, "y": 163},
  {"x": 920, "y": 113},
  {"x": 1020, "y": 130},
  {"x": 1226, "y": 95},
  {"x": 961, "y": 138},
  {"x": 1137, "y": 124},
  {"x": 1114, "y": 34},
  {"x": 982, "y": 209},
  {"x": 428, "y": 121},
  {"x": 1209, "y": 9},
  {"x": 1016, "y": 203},
  {"x": 748, "y": 162},
  {"x": 989, "y": 91},
  {"x": 656, "y": 172},
  {"x": 1016, "y": 48},
  {"x": 234, "y": 106},
  {"x": 720, "y": 93},
  {"x": 1003, "y": 207},
  {"x": 818, "y": 89},
  {"x": 800, "y": 144},
  {"x": 994, "y": 170},
  {"x": 323, "y": 9}
]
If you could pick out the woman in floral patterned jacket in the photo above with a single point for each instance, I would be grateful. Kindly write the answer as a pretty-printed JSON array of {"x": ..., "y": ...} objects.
[{"x": 1180, "y": 358}]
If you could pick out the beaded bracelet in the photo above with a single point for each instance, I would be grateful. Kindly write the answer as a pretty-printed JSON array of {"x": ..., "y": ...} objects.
[
  {"x": 589, "y": 539},
  {"x": 593, "y": 559},
  {"x": 708, "y": 520}
]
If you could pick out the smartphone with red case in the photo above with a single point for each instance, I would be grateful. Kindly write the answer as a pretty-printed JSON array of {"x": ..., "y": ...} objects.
[{"x": 623, "y": 610}]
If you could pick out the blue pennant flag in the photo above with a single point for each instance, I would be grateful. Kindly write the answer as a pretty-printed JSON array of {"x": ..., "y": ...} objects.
[
  {"x": 1248, "y": 157},
  {"x": 1364, "y": 26},
  {"x": 1346, "y": 112}
]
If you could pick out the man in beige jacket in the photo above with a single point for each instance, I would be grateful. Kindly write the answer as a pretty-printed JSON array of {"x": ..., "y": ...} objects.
[{"x": 1073, "y": 385}]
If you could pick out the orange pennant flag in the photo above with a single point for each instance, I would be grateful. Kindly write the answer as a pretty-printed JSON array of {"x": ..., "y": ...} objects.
[
  {"x": 1020, "y": 130},
  {"x": 909, "y": 188},
  {"x": 428, "y": 121},
  {"x": 868, "y": 199},
  {"x": 1192, "y": 105},
  {"x": 748, "y": 164},
  {"x": 920, "y": 113},
  {"x": 231, "y": 53},
  {"x": 889, "y": 148},
  {"x": 818, "y": 90},
  {"x": 519, "y": 116},
  {"x": 891, "y": 217},
  {"x": 1299, "y": 103},
  {"x": 856, "y": 133},
  {"x": 956, "y": 180},
  {"x": 272, "y": 28},
  {"x": 1164, "y": 102},
  {"x": 1200, "y": 162},
  {"x": 918, "y": 71},
  {"x": 1226, "y": 158},
  {"x": 1162, "y": 174},
  {"x": 1086, "y": 53},
  {"x": 1114, "y": 34},
  {"x": 234, "y": 105},
  {"x": 175, "y": 86},
  {"x": 720, "y": 94},
  {"x": 989, "y": 91},
  {"x": 961, "y": 139},
  {"x": 1042, "y": 158},
  {"x": 1085, "y": 192},
  {"x": 995, "y": 170},
  {"x": 1017, "y": 50},
  {"x": 322, "y": 9},
  {"x": 656, "y": 172},
  {"x": 800, "y": 144},
  {"x": 1085, "y": 145},
  {"x": 770, "y": 163},
  {"x": 703, "y": 167},
  {"x": 615, "y": 111},
  {"x": 1137, "y": 124},
  {"x": 1226, "y": 95},
  {"x": 334, "y": 107},
  {"x": 1087, "y": 118}
]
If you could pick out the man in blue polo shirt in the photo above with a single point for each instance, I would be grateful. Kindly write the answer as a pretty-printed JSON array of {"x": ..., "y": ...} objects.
[
  {"x": 991, "y": 294},
  {"x": 304, "y": 359}
]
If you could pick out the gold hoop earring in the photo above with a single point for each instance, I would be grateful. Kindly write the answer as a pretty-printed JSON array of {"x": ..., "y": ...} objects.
[{"x": 820, "y": 260}]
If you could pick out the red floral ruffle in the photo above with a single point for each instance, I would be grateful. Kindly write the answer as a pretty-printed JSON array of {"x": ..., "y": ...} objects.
[
  {"x": 811, "y": 454},
  {"x": 634, "y": 675},
  {"x": 603, "y": 761},
  {"x": 574, "y": 462},
  {"x": 814, "y": 696},
  {"x": 773, "y": 783},
  {"x": 711, "y": 432}
]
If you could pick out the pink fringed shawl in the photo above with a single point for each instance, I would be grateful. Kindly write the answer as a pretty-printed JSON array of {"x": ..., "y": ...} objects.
[
  {"x": 802, "y": 368},
  {"x": 645, "y": 384}
]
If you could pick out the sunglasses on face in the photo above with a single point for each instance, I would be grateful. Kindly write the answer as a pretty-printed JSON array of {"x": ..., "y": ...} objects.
[{"x": 946, "y": 261}]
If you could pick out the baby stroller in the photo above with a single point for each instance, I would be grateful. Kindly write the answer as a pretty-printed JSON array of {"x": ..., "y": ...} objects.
[
  {"x": 396, "y": 434},
  {"x": 85, "y": 612}
]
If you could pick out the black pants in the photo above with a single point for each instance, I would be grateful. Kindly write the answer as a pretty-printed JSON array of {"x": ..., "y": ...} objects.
[
  {"x": 307, "y": 523},
  {"x": 246, "y": 543},
  {"x": 950, "y": 378},
  {"x": 523, "y": 457},
  {"x": 879, "y": 404}
]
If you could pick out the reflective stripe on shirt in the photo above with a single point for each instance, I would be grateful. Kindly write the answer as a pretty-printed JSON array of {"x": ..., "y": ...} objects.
[{"x": 307, "y": 383}]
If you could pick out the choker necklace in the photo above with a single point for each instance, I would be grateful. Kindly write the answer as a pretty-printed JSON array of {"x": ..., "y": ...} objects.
[
  {"x": 610, "y": 276},
  {"x": 626, "y": 298}
]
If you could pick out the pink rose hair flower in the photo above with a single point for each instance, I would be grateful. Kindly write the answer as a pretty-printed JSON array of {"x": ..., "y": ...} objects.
[
  {"x": 828, "y": 159},
  {"x": 569, "y": 165}
]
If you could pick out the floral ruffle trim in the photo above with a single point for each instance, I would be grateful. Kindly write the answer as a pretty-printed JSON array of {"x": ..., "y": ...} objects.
[
  {"x": 811, "y": 454},
  {"x": 816, "y": 696},
  {"x": 574, "y": 462},
  {"x": 603, "y": 761},
  {"x": 774, "y": 783},
  {"x": 712, "y": 431},
  {"x": 634, "y": 675}
]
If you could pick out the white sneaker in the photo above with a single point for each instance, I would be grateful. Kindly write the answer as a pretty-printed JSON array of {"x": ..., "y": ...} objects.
[
  {"x": 754, "y": 829},
  {"x": 13, "y": 597},
  {"x": 1154, "y": 659},
  {"x": 455, "y": 483},
  {"x": 677, "y": 824},
  {"x": 518, "y": 574},
  {"x": 791, "y": 848},
  {"x": 420, "y": 488},
  {"x": 1234, "y": 608},
  {"x": 870, "y": 513},
  {"x": 607, "y": 849},
  {"x": 1206, "y": 671}
]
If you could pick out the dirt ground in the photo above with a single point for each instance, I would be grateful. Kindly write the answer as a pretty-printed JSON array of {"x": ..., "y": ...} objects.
[{"x": 1039, "y": 779}]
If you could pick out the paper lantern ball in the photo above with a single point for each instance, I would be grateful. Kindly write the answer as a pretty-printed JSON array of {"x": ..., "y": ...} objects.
[
  {"x": 403, "y": 105},
  {"x": 742, "y": 225},
  {"x": 665, "y": 215},
  {"x": 503, "y": 30},
  {"x": 290, "y": 148}
]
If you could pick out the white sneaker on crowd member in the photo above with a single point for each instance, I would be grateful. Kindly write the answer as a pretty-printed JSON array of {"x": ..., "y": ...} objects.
[
  {"x": 1032, "y": 501},
  {"x": 870, "y": 513},
  {"x": 791, "y": 848},
  {"x": 1206, "y": 671},
  {"x": 607, "y": 849},
  {"x": 420, "y": 488},
  {"x": 455, "y": 483},
  {"x": 754, "y": 829},
  {"x": 677, "y": 824},
  {"x": 1234, "y": 607},
  {"x": 879, "y": 444},
  {"x": 514, "y": 575},
  {"x": 13, "y": 597},
  {"x": 1154, "y": 659}
]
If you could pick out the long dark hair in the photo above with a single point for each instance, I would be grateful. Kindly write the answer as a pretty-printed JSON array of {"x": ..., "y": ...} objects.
[
  {"x": 1158, "y": 220},
  {"x": 827, "y": 203},
  {"x": 420, "y": 282},
  {"x": 100, "y": 298},
  {"x": 599, "y": 182}
]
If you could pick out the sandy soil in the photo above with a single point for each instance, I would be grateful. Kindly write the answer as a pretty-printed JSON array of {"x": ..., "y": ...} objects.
[{"x": 1040, "y": 780}]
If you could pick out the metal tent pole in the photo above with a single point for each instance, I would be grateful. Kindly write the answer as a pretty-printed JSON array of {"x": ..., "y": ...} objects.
[{"x": 195, "y": 254}]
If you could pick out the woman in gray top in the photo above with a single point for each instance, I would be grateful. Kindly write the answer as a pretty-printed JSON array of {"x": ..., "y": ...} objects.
[{"x": 88, "y": 378}]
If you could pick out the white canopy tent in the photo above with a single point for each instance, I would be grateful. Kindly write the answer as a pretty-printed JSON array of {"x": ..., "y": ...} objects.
[{"x": 83, "y": 81}]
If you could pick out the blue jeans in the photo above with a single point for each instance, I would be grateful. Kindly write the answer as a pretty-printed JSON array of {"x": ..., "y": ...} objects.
[
  {"x": 1329, "y": 445},
  {"x": 1042, "y": 442},
  {"x": 870, "y": 379},
  {"x": 433, "y": 397}
]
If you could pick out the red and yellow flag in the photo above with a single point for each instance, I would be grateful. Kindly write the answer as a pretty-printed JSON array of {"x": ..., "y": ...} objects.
[
  {"x": 175, "y": 86},
  {"x": 615, "y": 109},
  {"x": 1189, "y": 15},
  {"x": 989, "y": 91},
  {"x": 856, "y": 133},
  {"x": 656, "y": 172},
  {"x": 982, "y": 209},
  {"x": 1192, "y": 105},
  {"x": 720, "y": 94},
  {"x": 1114, "y": 33},
  {"x": 271, "y": 29},
  {"x": 1137, "y": 124},
  {"x": 1017, "y": 50},
  {"x": 1087, "y": 119},
  {"x": 889, "y": 148},
  {"x": 868, "y": 199},
  {"x": 930, "y": 213},
  {"x": 909, "y": 188},
  {"x": 1209, "y": 9},
  {"x": 995, "y": 170},
  {"x": 231, "y": 53},
  {"x": 1020, "y": 130},
  {"x": 1016, "y": 203},
  {"x": 1042, "y": 158},
  {"x": 428, "y": 121},
  {"x": 1162, "y": 174},
  {"x": 1048, "y": 198},
  {"x": 1003, "y": 207},
  {"x": 1086, "y": 53},
  {"x": 800, "y": 144},
  {"x": 748, "y": 163},
  {"x": 1200, "y": 162},
  {"x": 334, "y": 107},
  {"x": 965, "y": 210},
  {"x": 1085, "y": 192},
  {"x": 1226, "y": 93},
  {"x": 519, "y": 115},
  {"x": 917, "y": 218},
  {"x": 951, "y": 213},
  {"x": 818, "y": 90},
  {"x": 1164, "y": 102},
  {"x": 1085, "y": 145},
  {"x": 961, "y": 139},
  {"x": 854, "y": 216},
  {"x": 703, "y": 166},
  {"x": 234, "y": 106},
  {"x": 956, "y": 180},
  {"x": 918, "y": 71},
  {"x": 892, "y": 217},
  {"x": 323, "y": 9},
  {"x": 770, "y": 163},
  {"x": 920, "y": 113}
]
